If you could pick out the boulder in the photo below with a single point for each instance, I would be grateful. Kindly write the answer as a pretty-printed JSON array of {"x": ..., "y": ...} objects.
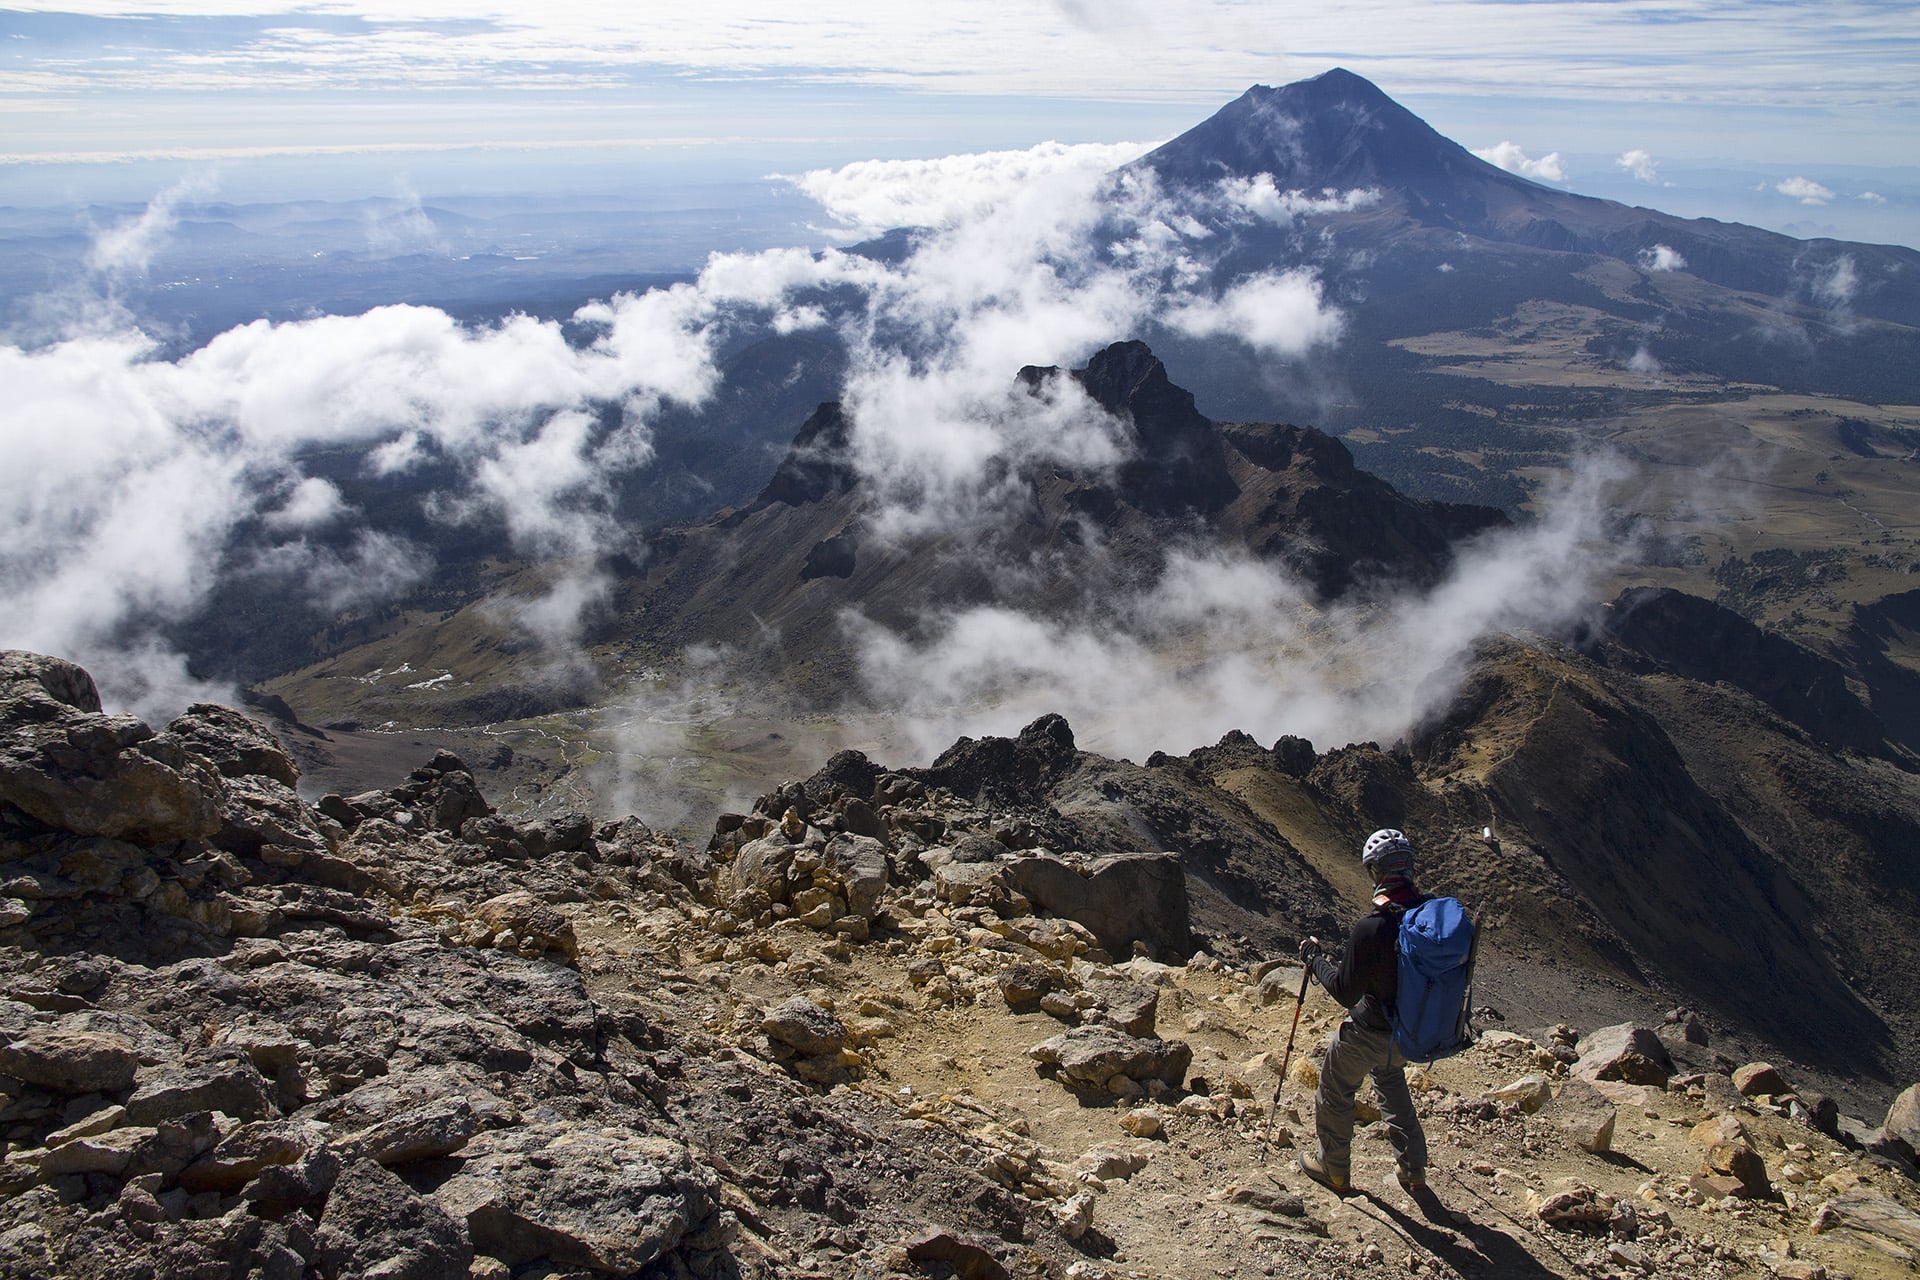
[
  {"x": 963, "y": 883},
  {"x": 1584, "y": 1114},
  {"x": 1732, "y": 1166},
  {"x": 1122, "y": 899},
  {"x": 233, "y": 743},
  {"x": 1903, "y": 1120},
  {"x": 1624, "y": 1052},
  {"x": 303, "y": 1182},
  {"x": 1281, "y": 984},
  {"x": 173, "y": 1144},
  {"x": 109, "y": 1153},
  {"x": 259, "y": 811},
  {"x": 374, "y": 1225},
  {"x": 438, "y": 1128},
  {"x": 1127, "y": 1005},
  {"x": 760, "y": 871},
  {"x": 534, "y": 927},
  {"x": 1529, "y": 1093},
  {"x": 1022, "y": 985},
  {"x": 72, "y": 1062},
  {"x": 1860, "y": 1209},
  {"x": 563, "y": 833},
  {"x": 453, "y": 797},
  {"x": 34, "y": 686},
  {"x": 1818, "y": 1111},
  {"x": 234, "y": 1087},
  {"x": 99, "y": 775},
  {"x": 604, "y": 1199},
  {"x": 861, "y": 865},
  {"x": 805, "y": 1027},
  {"x": 965, "y": 1258},
  {"x": 1108, "y": 1161},
  {"x": 1094, "y": 1055},
  {"x": 1739, "y": 1161},
  {"x": 249, "y": 1151},
  {"x": 1760, "y": 1079},
  {"x": 1073, "y": 1217}
]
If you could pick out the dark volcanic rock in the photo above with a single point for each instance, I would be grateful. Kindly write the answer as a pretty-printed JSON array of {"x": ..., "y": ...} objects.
[
  {"x": 611, "y": 1202},
  {"x": 816, "y": 466},
  {"x": 235, "y": 744},
  {"x": 1181, "y": 464},
  {"x": 78, "y": 770},
  {"x": 375, "y": 1225},
  {"x": 71, "y": 1061},
  {"x": 1700, "y": 640},
  {"x": 1005, "y": 770}
]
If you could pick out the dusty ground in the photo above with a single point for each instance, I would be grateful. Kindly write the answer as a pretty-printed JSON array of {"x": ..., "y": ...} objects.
[{"x": 1217, "y": 1193}]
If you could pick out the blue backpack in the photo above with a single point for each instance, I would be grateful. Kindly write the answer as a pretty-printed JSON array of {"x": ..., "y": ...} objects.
[{"x": 1433, "y": 1000}]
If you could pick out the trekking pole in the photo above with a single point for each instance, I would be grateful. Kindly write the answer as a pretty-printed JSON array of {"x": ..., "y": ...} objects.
[{"x": 1273, "y": 1109}]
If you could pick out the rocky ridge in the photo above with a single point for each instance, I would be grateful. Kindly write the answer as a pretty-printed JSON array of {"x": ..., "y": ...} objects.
[{"x": 880, "y": 1026}]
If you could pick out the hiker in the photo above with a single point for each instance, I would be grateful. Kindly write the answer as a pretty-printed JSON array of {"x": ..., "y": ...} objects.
[{"x": 1363, "y": 980}]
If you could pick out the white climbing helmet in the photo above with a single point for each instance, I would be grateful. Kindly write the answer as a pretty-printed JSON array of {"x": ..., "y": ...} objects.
[{"x": 1383, "y": 845}]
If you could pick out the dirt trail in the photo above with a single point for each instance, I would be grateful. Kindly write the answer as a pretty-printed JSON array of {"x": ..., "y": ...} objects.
[{"x": 1216, "y": 1191}]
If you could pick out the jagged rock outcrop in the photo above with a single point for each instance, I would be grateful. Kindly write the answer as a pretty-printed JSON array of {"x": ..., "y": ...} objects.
[
  {"x": 804, "y": 551},
  {"x": 67, "y": 764}
]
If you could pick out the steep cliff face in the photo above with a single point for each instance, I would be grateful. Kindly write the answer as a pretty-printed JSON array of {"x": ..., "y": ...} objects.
[{"x": 1697, "y": 639}]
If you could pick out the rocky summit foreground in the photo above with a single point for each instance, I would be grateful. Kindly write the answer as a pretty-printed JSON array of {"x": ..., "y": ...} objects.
[{"x": 873, "y": 1029}]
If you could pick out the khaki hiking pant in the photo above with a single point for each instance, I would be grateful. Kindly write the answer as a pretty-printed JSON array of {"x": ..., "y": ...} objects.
[{"x": 1353, "y": 1053}]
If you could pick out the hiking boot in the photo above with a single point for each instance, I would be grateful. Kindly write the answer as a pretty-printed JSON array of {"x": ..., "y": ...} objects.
[
  {"x": 1311, "y": 1166},
  {"x": 1410, "y": 1181}
]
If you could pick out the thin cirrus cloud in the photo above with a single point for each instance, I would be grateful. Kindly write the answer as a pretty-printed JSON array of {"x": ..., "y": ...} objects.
[
  {"x": 993, "y": 46},
  {"x": 586, "y": 64}
]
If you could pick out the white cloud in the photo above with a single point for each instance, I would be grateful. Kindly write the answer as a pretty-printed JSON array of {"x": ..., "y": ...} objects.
[
  {"x": 1805, "y": 190},
  {"x": 1282, "y": 312},
  {"x": 1042, "y": 272},
  {"x": 310, "y": 504},
  {"x": 130, "y": 472},
  {"x": 1837, "y": 284},
  {"x": 127, "y": 247},
  {"x": 1641, "y": 165},
  {"x": 1259, "y": 196},
  {"x": 402, "y": 227},
  {"x": 1662, "y": 257},
  {"x": 1509, "y": 156},
  {"x": 376, "y": 567},
  {"x": 871, "y": 196},
  {"x": 1225, "y": 642},
  {"x": 127, "y": 473},
  {"x": 1872, "y": 197}
]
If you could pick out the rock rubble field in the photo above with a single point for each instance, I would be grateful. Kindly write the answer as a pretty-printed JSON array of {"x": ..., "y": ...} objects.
[{"x": 872, "y": 1029}]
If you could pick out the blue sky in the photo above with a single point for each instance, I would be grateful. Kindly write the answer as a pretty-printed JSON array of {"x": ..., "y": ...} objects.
[{"x": 1747, "y": 110}]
